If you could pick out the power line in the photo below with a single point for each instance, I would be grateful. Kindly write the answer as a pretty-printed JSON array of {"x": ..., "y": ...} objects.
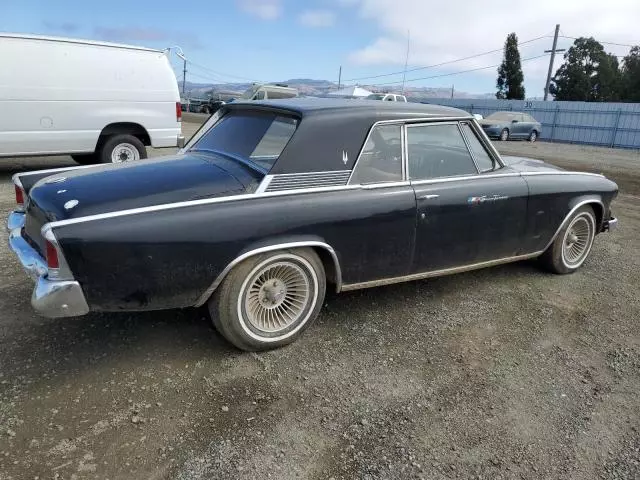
[
  {"x": 461, "y": 72},
  {"x": 221, "y": 74},
  {"x": 600, "y": 41},
  {"x": 444, "y": 63}
]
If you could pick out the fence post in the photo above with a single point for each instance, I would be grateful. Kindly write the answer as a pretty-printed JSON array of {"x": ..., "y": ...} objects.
[
  {"x": 553, "y": 125},
  {"x": 471, "y": 109},
  {"x": 612, "y": 143}
]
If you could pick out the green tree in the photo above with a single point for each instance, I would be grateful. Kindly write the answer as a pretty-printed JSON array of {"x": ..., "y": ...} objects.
[
  {"x": 588, "y": 74},
  {"x": 631, "y": 75},
  {"x": 510, "y": 83}
]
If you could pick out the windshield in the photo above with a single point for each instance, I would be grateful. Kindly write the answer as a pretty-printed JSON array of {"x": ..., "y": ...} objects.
[
  {"x": 255, "y": 137},
  {"x": 249, "y": 92},
  {"x": 501, "y": 116},
  {"x": 375, "y": 96}
]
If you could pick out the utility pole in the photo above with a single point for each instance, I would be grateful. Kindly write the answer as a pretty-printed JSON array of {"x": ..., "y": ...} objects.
[
  {"x": 340, "y": 77},
  {"x": 551, "y": 59},
  {"x": 452, "y": 89},
  {"x": 184, "y": 74},
  {"x": 406, "y": 61}
]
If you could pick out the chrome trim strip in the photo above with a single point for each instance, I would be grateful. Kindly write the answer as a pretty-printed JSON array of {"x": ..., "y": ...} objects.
[
  {"x": 282, "y": 246},
  {"x": 562, "y": 172},
  {"x": 298, "y": 181},
  {"x": 569, "y": 215},
  {"x": 63, "y": 272},
  {"x": 16, "y": 181},
  {"x": 468, "y": 145},
  {"x": 437, "y": 273},
  {"x": 319, "y": 172},
  {"x": 61, "y": 169},
  {"x": 190, "y": 203},
  {"x": 374, "y": 186},
  {"x": 463, "y": 178},
  {"x": 488, "y": 144},
  {"x": 264, "y": 184}
]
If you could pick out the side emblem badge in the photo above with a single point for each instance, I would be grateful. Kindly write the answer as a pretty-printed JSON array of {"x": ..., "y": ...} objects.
[{"x": 345, "y": 157}]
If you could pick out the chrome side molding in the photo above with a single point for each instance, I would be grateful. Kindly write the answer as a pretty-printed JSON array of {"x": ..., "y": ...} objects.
[{"x": 438, "y": 273}]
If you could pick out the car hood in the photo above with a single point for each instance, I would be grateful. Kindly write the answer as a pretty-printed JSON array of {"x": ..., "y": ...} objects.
[
  {"x": 524, "y": 164},
  {"x": 114, "y": 187},
  {"x": 486, "y": 123}
]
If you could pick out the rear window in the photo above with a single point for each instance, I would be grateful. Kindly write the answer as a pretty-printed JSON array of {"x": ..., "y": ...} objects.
[{"x": 256, "y": 137}]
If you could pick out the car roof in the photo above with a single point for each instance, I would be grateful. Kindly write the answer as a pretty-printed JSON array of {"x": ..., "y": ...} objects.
[{"x": 375, "y": 111}]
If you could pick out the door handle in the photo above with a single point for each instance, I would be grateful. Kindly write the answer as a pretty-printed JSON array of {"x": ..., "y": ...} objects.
[{"x": 429, "y": 196}]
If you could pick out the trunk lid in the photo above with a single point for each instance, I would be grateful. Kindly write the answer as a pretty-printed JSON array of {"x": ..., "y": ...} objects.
[{"x": 108, "y": 188}]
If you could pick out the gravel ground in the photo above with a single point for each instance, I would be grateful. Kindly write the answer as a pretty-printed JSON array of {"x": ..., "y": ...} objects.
[{"x": 504, "y": 373}]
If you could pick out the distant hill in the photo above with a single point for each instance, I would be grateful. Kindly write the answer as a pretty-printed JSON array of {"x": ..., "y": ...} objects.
[{"x": 307, "y": 86}]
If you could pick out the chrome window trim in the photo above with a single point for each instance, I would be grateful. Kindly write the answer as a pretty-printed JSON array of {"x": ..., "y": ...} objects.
[
  {"x": 437, "y": 273},
  {"x": 568, "y": 217},
  {"x": 562, "y": 172},
  {"x": 464, "y": 139},
  {"x": 404, "y": 122},
  {"x": 496, "y": 165},
  {"x": 466, "y": 142},
  {"x": 488, "y": 144},
  {"x": 264, "y": 184},
  {"x": 281, "y": 246}
]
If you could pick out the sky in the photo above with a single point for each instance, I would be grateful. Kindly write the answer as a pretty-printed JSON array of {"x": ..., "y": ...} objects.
[{"x": 277, "y": 40}]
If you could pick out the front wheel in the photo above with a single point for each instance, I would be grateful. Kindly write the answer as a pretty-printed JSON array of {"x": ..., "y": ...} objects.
[
  {"x": 504, "y": 135},
  {"x": 122, "y": 148},
  {"x": 573, "y": 243},
  {"x": 533, "y": 136},
  {"x": 268, "y": 300}
]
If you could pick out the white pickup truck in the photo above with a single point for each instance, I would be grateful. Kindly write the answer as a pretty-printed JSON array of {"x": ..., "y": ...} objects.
[
  {"x": 387, "y": 97},
  {"x": 98, "y": 102}
]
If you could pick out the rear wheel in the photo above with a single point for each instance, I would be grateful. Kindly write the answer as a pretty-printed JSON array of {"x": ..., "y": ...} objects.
[
  {"x": 573, "y": 243},
  {"x": 533, "y": 136},
  {"x": 121, "y": 148},
  {"x": 504, "y": 135},
  {"x": 268, "y": 300}
]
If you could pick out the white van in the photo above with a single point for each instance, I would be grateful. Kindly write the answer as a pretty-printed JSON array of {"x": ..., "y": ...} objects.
[{"x": 98, "y": 102}]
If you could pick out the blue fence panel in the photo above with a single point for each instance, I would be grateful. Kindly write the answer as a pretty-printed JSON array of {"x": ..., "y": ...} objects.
[{"x": 607, "y": 124}]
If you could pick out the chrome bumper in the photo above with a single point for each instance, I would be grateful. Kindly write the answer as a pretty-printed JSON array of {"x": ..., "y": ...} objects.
[
  {"x": 610, "y": 225},
  {"x": 51, "y": 298}
]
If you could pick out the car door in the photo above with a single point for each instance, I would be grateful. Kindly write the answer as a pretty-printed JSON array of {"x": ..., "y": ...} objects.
[
  {"x": 382, "y": 239},
  {"x": 520, "y": 129},
  {"x": 470, "y": 209}
]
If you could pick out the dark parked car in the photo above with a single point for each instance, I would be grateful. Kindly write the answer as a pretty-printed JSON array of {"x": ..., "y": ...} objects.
[
  {"x": 511, "y": 125},
  {"x": 271, "y": 202}
]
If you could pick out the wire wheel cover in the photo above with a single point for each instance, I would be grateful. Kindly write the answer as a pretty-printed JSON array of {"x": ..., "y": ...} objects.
[
  {"x": 277, "y": 296},
  {"x": 577, "y": 240}
]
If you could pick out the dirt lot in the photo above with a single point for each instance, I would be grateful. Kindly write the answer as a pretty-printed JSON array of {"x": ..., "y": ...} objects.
[{"x": 502, "y": 373}]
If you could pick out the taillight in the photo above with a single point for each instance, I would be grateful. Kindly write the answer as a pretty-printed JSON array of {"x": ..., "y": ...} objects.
[
  {"x": 19, "y": 196},
  {"x": 178, "y": 112},
  {"x": 52, "y": 255}
]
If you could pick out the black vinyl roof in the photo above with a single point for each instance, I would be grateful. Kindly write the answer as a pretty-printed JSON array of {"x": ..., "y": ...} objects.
[
  {"x": 375, "y": 109},
  {"x": 332, "y": 132}
]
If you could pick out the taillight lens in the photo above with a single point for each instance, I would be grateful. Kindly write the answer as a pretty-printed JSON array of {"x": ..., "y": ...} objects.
[
  {"x": 52, "y": 255},
  {"x": 178, "y": 112},
  {"x": 19, "y": 196}
]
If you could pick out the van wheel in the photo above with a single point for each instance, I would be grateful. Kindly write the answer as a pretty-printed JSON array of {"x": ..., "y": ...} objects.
[
  {"x": 85, "y": 158},
  {"x": 268, "y": 300},
  {"x": 122, "y": 148}
]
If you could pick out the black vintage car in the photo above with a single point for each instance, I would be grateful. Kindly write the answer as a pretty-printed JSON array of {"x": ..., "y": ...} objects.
[{"x": 272, "y": 202}]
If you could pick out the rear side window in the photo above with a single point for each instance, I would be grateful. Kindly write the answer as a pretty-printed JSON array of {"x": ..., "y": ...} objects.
[
  {"x": 437, "y": 151},
  {"x": 480, "y": 154},
  {"x": 381, "y": 157},
  {"x": 257, "y": 137}
]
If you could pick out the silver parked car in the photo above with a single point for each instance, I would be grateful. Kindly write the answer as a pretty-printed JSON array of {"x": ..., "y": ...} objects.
[{"x": 511, "y": 125}]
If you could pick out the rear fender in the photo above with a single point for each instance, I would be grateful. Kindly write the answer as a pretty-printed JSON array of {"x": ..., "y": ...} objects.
[
  {"x": 328, "y": 255},
  {"x": 26, "y": 180}
]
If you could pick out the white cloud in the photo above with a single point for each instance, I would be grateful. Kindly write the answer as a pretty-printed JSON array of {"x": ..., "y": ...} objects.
[
  {"x": 444, "y": 31},
  {"x": 317, "y": 18},
  {"x": 264, "y": 9}
]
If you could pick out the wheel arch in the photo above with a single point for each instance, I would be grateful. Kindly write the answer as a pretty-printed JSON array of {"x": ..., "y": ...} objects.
[
  {"x": 124, "y": 128},
  {"x": 325, "y": 252},
  {"x": 594, "y": 201}
]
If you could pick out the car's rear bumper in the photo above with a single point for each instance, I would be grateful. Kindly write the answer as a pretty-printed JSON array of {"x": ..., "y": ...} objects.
[
  {"x": 610, "y": 225},
  {"x": 51, "y": 298}
]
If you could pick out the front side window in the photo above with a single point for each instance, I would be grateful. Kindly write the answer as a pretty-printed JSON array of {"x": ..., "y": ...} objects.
[
  {"x": 256, "y": 137},
  {"x": 381, "y": 157},
  {"x": 482, "y": 157},
  {"x": 437, "y": 151}
]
